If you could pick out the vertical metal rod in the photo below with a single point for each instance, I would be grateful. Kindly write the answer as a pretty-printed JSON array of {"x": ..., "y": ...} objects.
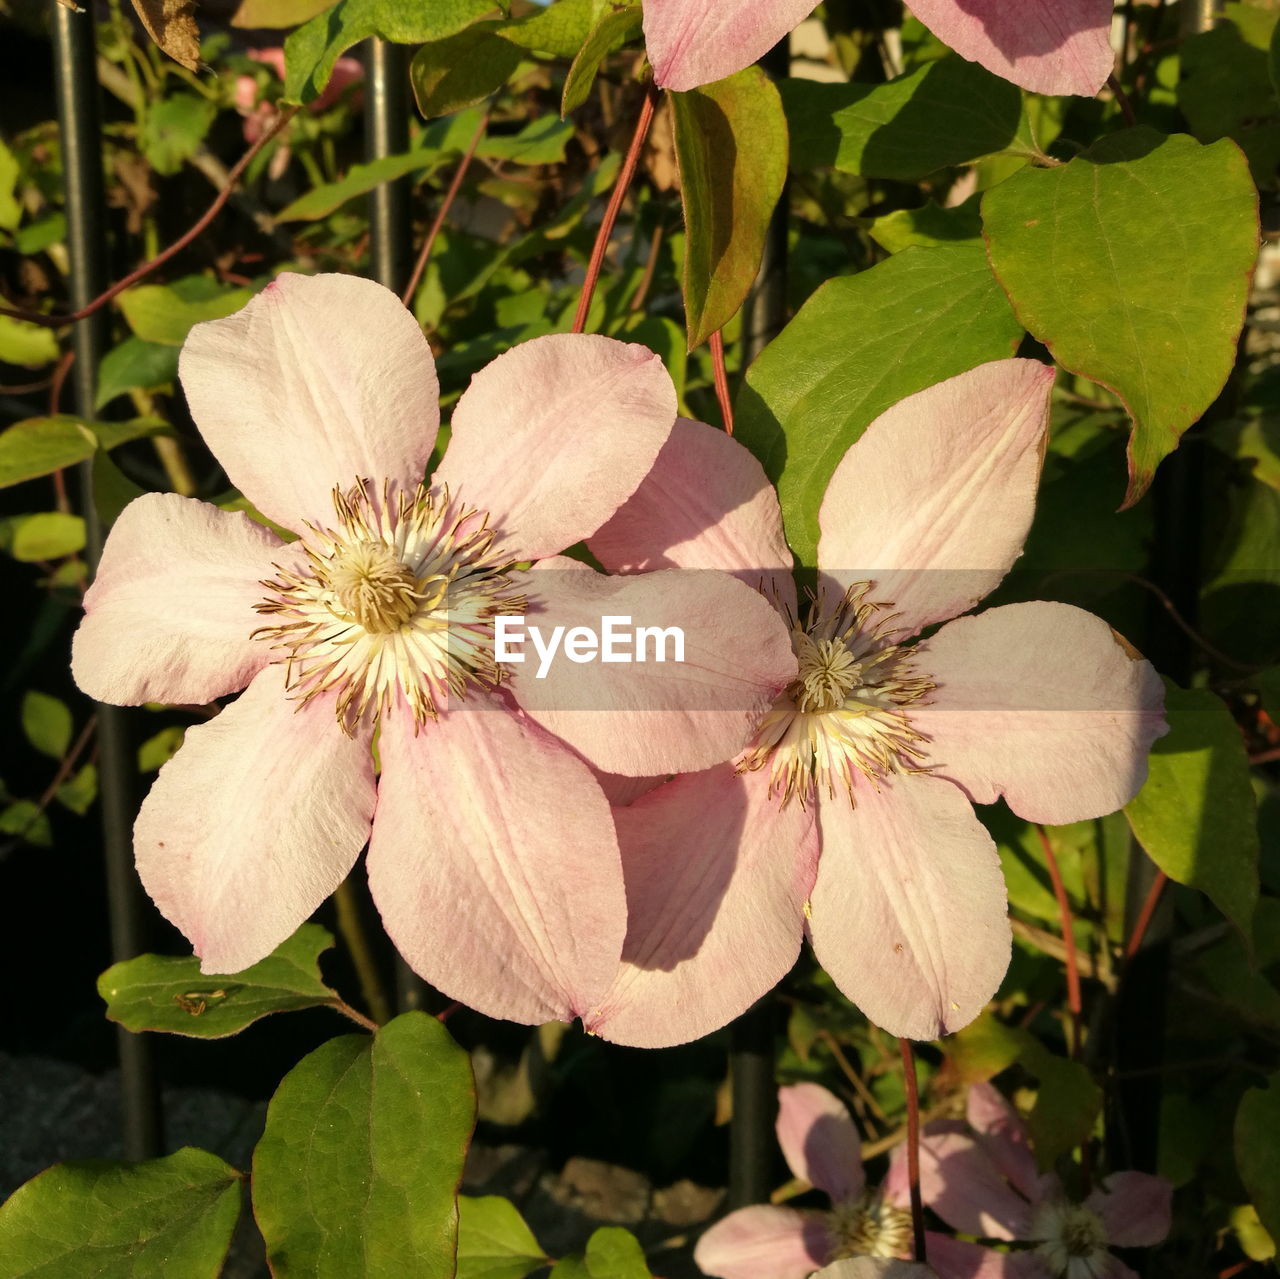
[
  {"x": 76, "y": 86},
  {"x": 386, "y": 132},
  {"x": 752, "y": 1145}
]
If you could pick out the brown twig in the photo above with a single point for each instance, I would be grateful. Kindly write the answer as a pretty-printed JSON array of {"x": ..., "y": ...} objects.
[
  {"x": 201, "y": 223},
  {"x": 913, "y": 1147},
  {"x": 852, "y": 1076},
  {"x": 722, "y": 381},
  {"x": 424, "y": 256},
  {"x": 1143, "y": 922},
  {"x": 620, "y": 189}
]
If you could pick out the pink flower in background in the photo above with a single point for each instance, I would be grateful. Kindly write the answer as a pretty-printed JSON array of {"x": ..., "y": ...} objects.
[
  {"x": 875, "y": 1268},
  {"x": 1048, "y": 46},
  {"x": 822, "y": 1147},
  {"x": 850, "y": 815},
  {"x": 982, "y": 1180},
  {"x": 493, "y": 857},
  {"x": 260, "y": 115}
]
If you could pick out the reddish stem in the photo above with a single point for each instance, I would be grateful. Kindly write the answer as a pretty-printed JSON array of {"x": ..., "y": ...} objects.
[
  {"x": 57, "y": 321},
  {"x": 620, "y": 189},
  {"x": 913, "y": 1146},
  {"x": 722, "y": 381},
  {"x": 1068, "y": 940},
  {"x": 1266, "y": 757},
  {"x": 450, "y": 195},
  {"x": 1143, "y": 922},
  {"x": 1122, "y": 101}
]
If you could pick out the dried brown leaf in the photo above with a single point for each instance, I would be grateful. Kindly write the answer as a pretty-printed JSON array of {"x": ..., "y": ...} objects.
[{"x": 172, "y": 25}]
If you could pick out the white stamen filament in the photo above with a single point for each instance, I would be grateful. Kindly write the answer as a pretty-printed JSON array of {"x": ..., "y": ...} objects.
[{"x": 395, "y": 604}]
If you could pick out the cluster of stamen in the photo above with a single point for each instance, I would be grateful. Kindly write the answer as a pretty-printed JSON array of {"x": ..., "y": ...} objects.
[
  {"x": 394, "y": 603},
  {"x": 846, "y": 712},
  {"x": 1075, "y": 1241},
  {"x": 869, "y": 1227}
]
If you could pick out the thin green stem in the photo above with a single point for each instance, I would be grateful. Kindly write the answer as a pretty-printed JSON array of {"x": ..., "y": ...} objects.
[{"x": 353, "y": 934}]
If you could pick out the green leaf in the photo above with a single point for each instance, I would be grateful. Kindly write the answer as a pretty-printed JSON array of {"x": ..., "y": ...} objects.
[
  {"x": 615, "y": 1253},
  {"x": 461, "y": 70},
  {"x": 1196, "y": 815},
  {"x": 614, "y": 28},
  {"x": 42, "y": 445},
  {"x": 26, "y": 344},
  {"x": 79, "y": 793},
  {"x": 858, "y": 346},
  {"x": 170, "y": 993},
  {"x": 47, "y": 723},
  {"x": 160, "y": 748},
  {"x": 947, "y": 113},
  {"x": 164, "y": 313},
  {"x": 493, "y": 1240},
  {"x": 25, "y": 819},
  {"x": 358, "y": 1168},
  {"x": 276, "y": 14},
  {"x": 559, "y": 30},
  {"x": 48, "y": 535},
  {"x": 1068, "y": 1102},
  {"x": 311, "y": 50},
  {"x": 539, "y": 142},
  {"x": 158, "y": 1219},
  {"x": 113, "y": 490},
  {"x": 10, "y": 209},
  {"x": 1226, "y": 90},
  {"x": 731, "y": 146},
  {"x": 135, "y": 365},
  {"x": 41, "y": 234},
  {"x": 1254, "y": 1241},
  {"x": 1151, "y": 240},
  {"x": 1258, "y": 1151},
  {"x": 174, "y": 128},
  {"x": 320, "y": 201},
  {"x": 928, "y": 227}
]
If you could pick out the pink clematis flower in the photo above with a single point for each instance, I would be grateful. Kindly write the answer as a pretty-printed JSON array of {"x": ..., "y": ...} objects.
[
  {"x": 850, "y": 814},
  {"x": 875, "y": 1268},
  {"x": 1047, "y": 46},
  {"x": 983, "y": 1181},
  {"x": 493, "y": 858},
  {"x": 821, "y": 1146}
]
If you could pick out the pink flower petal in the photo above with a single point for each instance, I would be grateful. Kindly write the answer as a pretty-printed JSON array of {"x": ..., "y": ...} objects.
[
  {"x": 170, "y": 611},
  {"x": 1047, "y": 46},
  {"x": 693, "y": 42},
  {"x": 908, "y": 914},
  {"x": 1043, "y": 704},
  {"x": 763, "y": 1243},
  {"x": 717, "y": 875},
  {"x": 706, "y": 504},
  {"x": 1003, "y": 1135},
  {"x": 318, "y": 382},
  {"x": 1135, "y": 1208},
  {"x": 819, "y": 1140},
  {"x": 875, "y": 1268},
  {"x": 621, "y": 791},
  {"x": 654, "y": 717},
  {"x": 552, "y": 437},
  {"x": 954, "y": 1259},
  {"x": 934, "y": 501},
  {"x": 254, "y": 822},
  {"x": 961, "y": 1184},
  {"x": 495, "y": 866}
]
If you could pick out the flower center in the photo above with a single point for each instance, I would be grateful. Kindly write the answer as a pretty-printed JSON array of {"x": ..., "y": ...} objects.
[
  {"x": 869, "y": 1227},
  {"x": 844, "y": 713},
  {"x": 1075, "y": 1240},
  {"x": 394, "y": 604}
]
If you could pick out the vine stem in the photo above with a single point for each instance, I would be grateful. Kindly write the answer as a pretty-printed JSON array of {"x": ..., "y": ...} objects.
[
  {"x": 1068, "y": 940},
  {"x": 424, "y": 256},
  {"x": 722, "y": 381},
  {"x": 913, "y": 1147},
  {"x": 201, "y": 223},
  {"x": 1143, "y": 922},
  {"x": 620, "y": 189},
  {"x": 344, "y": 902},
  {"x": 1122, "y": 101}
]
